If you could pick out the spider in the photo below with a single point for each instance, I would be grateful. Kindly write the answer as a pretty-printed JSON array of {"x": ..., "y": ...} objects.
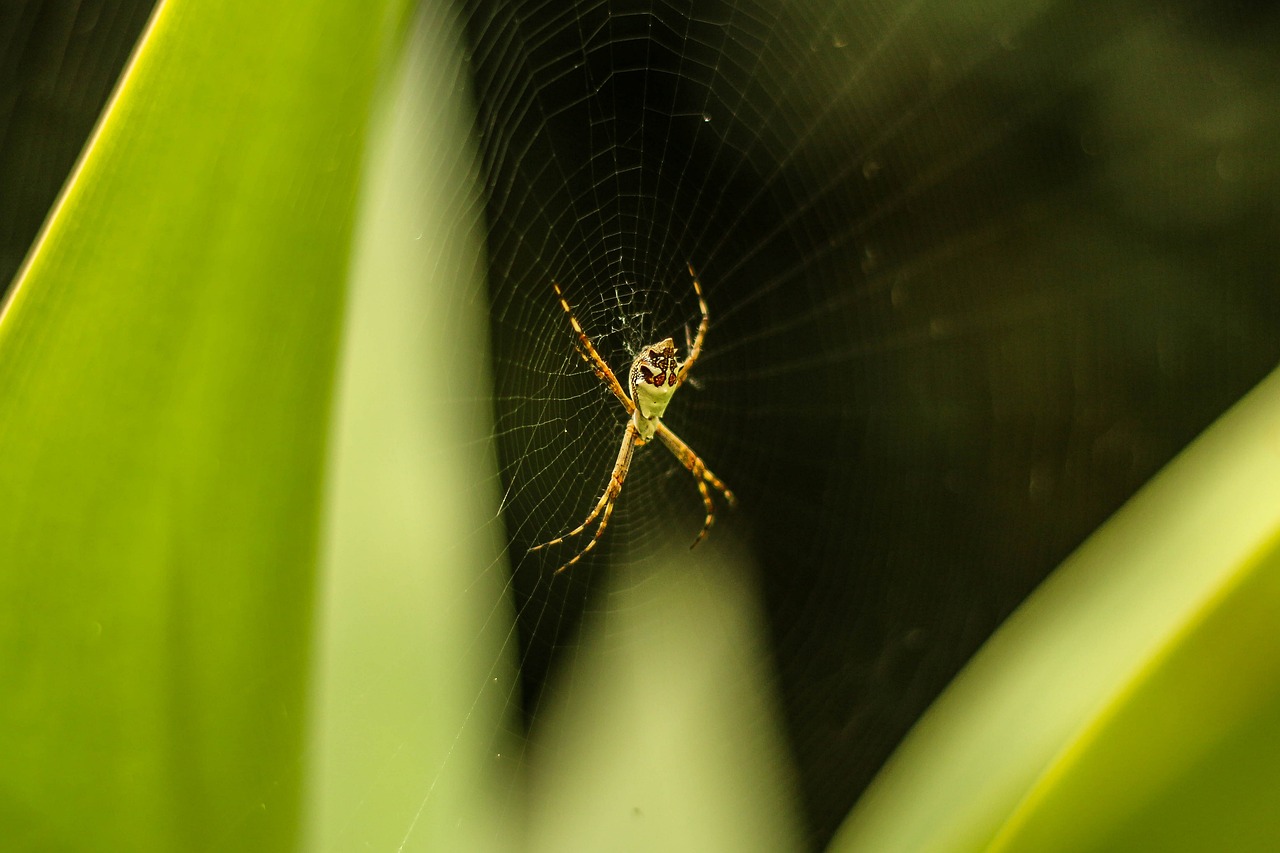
[{"x": 655, "y": 375}]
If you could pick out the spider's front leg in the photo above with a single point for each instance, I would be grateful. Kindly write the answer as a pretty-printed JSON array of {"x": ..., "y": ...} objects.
[
  {"x": 695, "y": 347},
  {"x": 603, "y": 507},
  {"x": 592, "y": 356}
]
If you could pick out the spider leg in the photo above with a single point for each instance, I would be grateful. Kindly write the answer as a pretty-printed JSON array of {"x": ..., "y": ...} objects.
[
  {"x": 592, "y": 357},
  {"x": 711, "y": 514},
  {"x": 603, "y": 507},
  {"x": 701, "y": 474},
  {"x": 695, "y": 349}
]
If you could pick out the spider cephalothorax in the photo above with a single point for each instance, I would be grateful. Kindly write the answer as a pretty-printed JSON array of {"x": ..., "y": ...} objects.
[{"x": 655, "y": 375}]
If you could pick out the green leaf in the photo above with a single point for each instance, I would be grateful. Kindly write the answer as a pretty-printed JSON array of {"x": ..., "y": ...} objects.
[
  {"x": 166, "y": 365},
  {"x": 1133, "y": 703},
  {"x": 411, "y": 745}
]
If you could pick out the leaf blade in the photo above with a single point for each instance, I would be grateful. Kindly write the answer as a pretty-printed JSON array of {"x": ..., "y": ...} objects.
[{"x": 166, "y": 360}]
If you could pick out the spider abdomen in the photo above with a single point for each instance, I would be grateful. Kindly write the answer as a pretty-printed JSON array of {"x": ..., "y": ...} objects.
[{"x": 653, "y": 381}]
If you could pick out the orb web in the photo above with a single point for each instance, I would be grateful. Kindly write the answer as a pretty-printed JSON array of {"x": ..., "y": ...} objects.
[{"x": 924, "y": 377}]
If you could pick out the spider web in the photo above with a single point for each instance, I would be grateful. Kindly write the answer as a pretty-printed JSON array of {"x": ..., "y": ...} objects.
[
  {"x": 955, "y": 319},
  {"x": 951, "y": 324}
]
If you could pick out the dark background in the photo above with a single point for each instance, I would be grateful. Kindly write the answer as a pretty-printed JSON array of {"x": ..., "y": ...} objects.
[{"x": 962, "y": 306}]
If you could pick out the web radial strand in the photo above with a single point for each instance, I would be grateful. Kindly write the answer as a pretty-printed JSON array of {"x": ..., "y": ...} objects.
[
  {"x": 777, "y": 149},
  {"x": 908, "y": 376}
]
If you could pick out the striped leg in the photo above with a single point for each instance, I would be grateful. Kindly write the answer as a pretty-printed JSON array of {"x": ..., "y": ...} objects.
[
  {"x": 695, "y": 349},
  {"x": 604, "y": 507},
  {"x": 589, "y": 354},
  {"x": 701, "y": 474}
]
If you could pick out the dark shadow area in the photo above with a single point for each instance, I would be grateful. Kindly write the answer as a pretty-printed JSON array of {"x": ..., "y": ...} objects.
[
  {"x": 974, "y": 276},
  {"x": 59, "y": 61}
]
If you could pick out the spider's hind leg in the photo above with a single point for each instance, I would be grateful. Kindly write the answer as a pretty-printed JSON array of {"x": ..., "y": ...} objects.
[
  {"x": 711, "y": 514},
  {"x": 604, "y": 507},
  {"x": 702, "y": 475}
]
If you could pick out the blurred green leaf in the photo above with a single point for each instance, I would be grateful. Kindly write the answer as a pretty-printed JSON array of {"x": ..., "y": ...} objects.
[
  {"x": 412, "y": 745},
  {"x": 166, "y": 365},
  {"x": 1133, "y": 703}
]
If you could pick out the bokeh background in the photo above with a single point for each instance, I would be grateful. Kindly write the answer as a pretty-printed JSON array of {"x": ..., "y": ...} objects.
[{"x": 976, "y": 273}]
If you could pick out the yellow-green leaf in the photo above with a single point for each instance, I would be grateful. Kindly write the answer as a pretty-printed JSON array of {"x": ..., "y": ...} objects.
[
  {"x": 166, "y": 365},
  {"x": 1133, "y": 703}
]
